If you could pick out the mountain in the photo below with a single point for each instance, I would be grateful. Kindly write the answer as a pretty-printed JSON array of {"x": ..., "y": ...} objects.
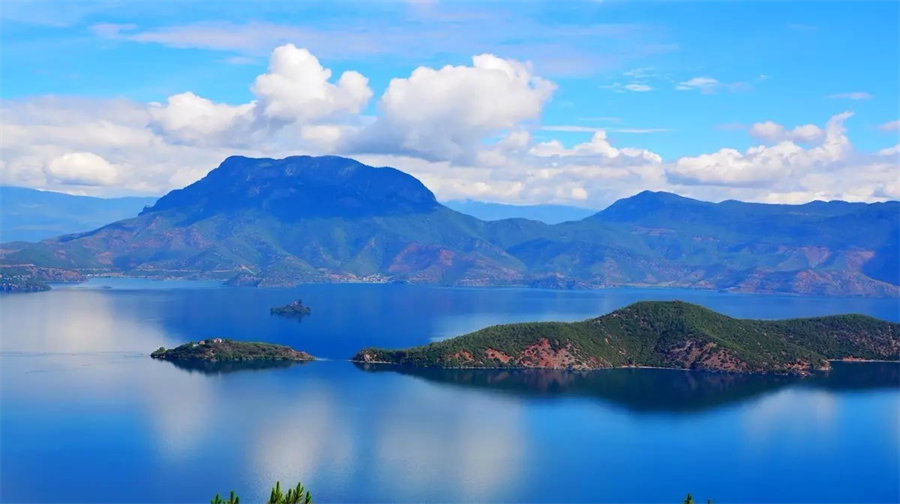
[
  {"x": 300, "y": 219},
  {"x": 816, "y": 248},
  {"x": 31, "y": 215},
  {"x": 548, "y": 214},
  {"x": 661, "y": 334},
  {"x": 271, "y": 222}
]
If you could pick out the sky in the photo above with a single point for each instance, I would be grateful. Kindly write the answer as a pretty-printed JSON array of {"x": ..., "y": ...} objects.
[{"x": 576, "y": 103}]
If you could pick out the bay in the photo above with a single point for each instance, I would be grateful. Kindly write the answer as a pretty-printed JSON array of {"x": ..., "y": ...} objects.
[{"x": 87, "y": 416}]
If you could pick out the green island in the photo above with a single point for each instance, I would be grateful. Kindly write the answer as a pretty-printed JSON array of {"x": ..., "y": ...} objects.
[
  {"x": 671, "y": 334},
  {"x": 294, "y": 309},
  {"x": 226, "y": 350}
]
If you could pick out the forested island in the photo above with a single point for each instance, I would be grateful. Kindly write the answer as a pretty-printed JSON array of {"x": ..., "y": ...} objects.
[
  {"x": 661, "y": 334},
  {"x": 294, "y": 309},
  {"x": 226, "y": 350}
]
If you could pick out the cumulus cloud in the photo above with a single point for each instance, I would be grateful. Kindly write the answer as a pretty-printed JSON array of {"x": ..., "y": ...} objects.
[
  {"x": 297, "y": 88},
  {"x": 597, "y": 147},
  {"x": 189, "y": 118},
  {"x": 81, "y": 168},
  {"x": 295, "y": 91},
  {"x": 773, "y": 132},
  {"x": 443, "y": 113},
  {"x": 890, "y": 151},
  {"x": 763, "y": 164},
  {"x": 788, "y": 173},
  {"x": 466, "y": 131}
]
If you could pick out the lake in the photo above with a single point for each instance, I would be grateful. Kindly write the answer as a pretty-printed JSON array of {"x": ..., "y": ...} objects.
[{"x": 87, "y": 416}]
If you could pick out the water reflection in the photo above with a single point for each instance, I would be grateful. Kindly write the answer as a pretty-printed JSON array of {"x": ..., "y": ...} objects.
[
  {"x": 216, "y": 368},
  {"x": 650, "y": 390}
]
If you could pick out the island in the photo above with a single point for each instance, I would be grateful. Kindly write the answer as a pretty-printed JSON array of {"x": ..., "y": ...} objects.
[
  {"x": 226, "y": 350},
  {"x": 670, "y": 334},
  {"x": 294, "y": 309}
]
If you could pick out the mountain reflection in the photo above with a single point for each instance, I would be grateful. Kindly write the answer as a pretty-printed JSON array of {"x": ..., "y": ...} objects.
[
  {"x": 651, "y": 390},
  {"x": 225, "y": 367}
]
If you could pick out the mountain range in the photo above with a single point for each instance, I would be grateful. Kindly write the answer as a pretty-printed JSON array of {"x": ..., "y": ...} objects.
[
  {"x": 31, "y": 215},
  {"x": 269, "y": 222}
]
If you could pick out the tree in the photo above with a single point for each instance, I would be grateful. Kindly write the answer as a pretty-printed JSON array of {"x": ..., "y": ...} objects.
[
  {"x": 689, "y": 499},
  {"x": 232, "y": 499},
  {"x": 296, "y": 495}
]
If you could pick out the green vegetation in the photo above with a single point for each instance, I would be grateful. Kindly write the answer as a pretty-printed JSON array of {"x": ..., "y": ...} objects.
[
  {"x": 271, "y": 223},
  {"x": 661, "y": 334},
  {"x": 225, "y": 350},
  {"x": 294, "y": 309},
  {"x": 296, "y": 495}
]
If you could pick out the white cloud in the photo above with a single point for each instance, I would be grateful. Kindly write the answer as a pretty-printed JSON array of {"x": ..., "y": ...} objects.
[
  {"x": 702, "y": 84},
  {"x": 295, "y": 94},
  {"x": 787, "y": 172},
  {"x": 189, "y": 118},
  {"x": 890, "y": 126},
  {"x": 297, "y": 88},
  {"x": 597, "y": 147},
  {"x": 773, "y": 132},
  {"x": 855, "y": 95},
  {"x": 638, "y": 87},
  {"x": 444, "y": 113},
  {"x": 463, "y": 130},
  {"x": 81, "y": 168},
  {"x": 634, "y": 87},
  {"x": 890, "y": 151},
  {"x": 709, "y": 85}
]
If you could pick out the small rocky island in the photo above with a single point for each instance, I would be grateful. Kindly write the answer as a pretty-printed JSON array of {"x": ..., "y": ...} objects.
[
  {"x": 673, "y": 334},
  {"x": 226, "y": 350},
  {"x": 294, "y": 309}
]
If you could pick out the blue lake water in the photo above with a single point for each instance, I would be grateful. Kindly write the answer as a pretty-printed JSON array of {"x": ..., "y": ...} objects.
[{"x": 87, "y": 416}]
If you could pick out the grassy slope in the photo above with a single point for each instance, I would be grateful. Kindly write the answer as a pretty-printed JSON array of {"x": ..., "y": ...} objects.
[{"x": 653, "y": 334}]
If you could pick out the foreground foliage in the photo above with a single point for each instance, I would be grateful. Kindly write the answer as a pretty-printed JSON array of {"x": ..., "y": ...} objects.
[{"x": 297, "y": 495}]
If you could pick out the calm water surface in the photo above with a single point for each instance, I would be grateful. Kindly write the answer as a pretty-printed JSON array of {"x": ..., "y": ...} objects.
[{"x": 87, "y": 416}]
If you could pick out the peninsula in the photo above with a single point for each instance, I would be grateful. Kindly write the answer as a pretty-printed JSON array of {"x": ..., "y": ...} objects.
[
  {"x": 226, "y": 350},
  {"x": 661, "y": 334}
]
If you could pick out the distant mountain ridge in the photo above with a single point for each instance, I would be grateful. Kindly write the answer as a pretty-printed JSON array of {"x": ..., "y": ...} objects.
[
  {"x": 271, "y": 222},
  {"x": 32, "y": 215},
  {"x": 548, "y": 214}
]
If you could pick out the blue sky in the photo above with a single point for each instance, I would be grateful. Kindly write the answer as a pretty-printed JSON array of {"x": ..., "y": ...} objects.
[{"x": 616, "y": 65}]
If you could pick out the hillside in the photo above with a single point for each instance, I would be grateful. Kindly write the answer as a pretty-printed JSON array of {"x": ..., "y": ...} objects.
[
  {"x": 661, "y": 334},
  {"x": 271, "y": 222},
  {"x": 31, "y": 215}
]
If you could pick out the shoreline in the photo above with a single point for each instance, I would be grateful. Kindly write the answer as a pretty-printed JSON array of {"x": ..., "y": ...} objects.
[
  {"x": 590, "y": 370},
  {"x": 586, "y": 289}
]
